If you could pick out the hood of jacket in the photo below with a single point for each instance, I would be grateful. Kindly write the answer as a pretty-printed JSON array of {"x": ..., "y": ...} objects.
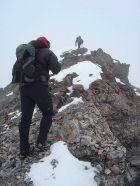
[{"x": 38, "y": 44}]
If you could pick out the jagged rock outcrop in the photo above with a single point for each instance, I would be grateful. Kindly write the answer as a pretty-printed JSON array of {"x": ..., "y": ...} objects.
[
  {"x": 72, "y": 53},
  {"x": 107, "y": 63},
  {"x": 104, "y": 128}
]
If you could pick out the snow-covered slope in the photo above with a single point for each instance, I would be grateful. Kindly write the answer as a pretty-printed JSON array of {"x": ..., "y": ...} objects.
[
  {"x": 87, "y": 73},
  {"x": 61, "y": 168}
]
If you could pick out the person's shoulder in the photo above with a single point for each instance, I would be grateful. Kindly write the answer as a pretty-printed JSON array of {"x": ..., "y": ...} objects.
[
  {"x": 51, "y": 52},
  {"x": 45, "y": 50}
]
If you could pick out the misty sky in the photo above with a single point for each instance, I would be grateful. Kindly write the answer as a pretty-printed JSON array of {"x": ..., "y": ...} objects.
[{"x": 113, "y": 25}]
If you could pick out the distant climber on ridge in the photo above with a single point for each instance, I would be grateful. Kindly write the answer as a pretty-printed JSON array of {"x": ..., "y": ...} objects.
[{"x": 79, "y": 40}]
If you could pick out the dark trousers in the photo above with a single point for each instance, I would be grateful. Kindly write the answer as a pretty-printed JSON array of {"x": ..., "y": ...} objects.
[
  {"x": 30, "y": 95},
  {"x": 79, "y": 45}
]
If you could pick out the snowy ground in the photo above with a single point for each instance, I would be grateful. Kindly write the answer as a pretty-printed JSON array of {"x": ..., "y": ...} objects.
[
  {"x": 75, "y": 101},
  {"x": 16, "y": 114},
  {"x": 137, "y": 94},
  {"x": 83, "y": 69},
  {"x": 10, "y": 94},
  {"x": 119, "y": 81},
  {"x": 61, "y": 168}
]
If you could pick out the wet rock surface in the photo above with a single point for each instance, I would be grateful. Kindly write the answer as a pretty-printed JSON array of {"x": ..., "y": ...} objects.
[{"x": 104, "y": 129}]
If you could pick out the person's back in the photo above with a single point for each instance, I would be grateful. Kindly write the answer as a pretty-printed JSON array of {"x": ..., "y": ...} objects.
[
  {"x": 79, "y": 40},
  {"x": 45, "y": 60},
  {"x": 37, "y": 93}
]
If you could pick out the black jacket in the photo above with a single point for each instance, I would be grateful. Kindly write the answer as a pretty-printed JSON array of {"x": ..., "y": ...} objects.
[{"x": 45, "y": 60}]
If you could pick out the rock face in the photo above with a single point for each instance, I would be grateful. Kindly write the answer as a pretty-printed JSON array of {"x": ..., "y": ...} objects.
[
  {"x": 108, "y": 64},
  {"x": 8, "y": 103},
  {"x": 104, "y": 129}
]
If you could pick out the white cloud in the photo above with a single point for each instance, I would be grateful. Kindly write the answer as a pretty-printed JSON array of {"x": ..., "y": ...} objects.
[{"x": 96, "y": 29}]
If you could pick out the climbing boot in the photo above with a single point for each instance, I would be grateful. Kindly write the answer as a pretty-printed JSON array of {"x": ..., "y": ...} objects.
[{"x": 24, "y": 154}]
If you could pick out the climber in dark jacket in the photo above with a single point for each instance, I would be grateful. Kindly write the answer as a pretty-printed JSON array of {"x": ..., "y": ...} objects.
[
  {"x": 79, "y": 40},
  {"x": 37, "y": 93}
]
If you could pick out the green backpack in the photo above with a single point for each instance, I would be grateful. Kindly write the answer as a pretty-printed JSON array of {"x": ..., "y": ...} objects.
[{"x": 24, "y": 68}]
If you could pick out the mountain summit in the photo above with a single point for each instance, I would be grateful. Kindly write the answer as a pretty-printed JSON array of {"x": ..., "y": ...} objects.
[{"x": 97, "y": 115}]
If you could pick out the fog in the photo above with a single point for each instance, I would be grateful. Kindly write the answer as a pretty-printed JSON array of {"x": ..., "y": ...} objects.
[{"x": 113, "y": 26}]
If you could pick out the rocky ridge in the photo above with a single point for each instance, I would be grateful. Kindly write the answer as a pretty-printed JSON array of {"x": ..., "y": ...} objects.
[
  {"x": 104, "y": 60},
  {"x": 104, "y": 129},
  {"x": 98, "y": 57}
]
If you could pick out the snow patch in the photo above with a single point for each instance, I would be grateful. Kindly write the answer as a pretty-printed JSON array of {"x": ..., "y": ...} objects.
[
  {"x": 119, "y": 81},
  {"x": 17, "y": 114},
  {"x": 70, "y": 89},
  {"x": 35, "y": 111},
  {"x": 10, "y": 94},
  {"x": 75, "y": 101},
  {"x": 11, "y": 113},
  {"x": 68, "y": 170},
  {"x": 83, "y": 69},
  {"x": 137, "y": 93},
  {"x": 6, "y": 127}
]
